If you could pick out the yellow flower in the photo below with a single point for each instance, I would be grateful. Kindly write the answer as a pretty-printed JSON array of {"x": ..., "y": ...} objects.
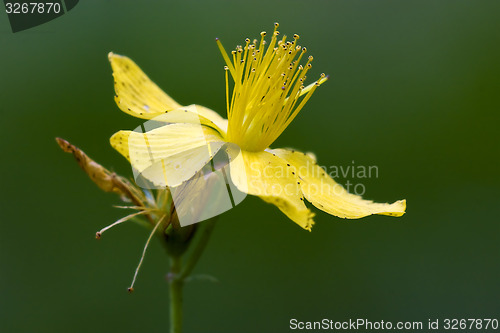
[{"x": 268, "y": 94}]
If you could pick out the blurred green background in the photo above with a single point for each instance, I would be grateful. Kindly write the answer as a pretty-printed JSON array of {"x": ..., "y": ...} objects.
[{"x": 414, "y": 90}]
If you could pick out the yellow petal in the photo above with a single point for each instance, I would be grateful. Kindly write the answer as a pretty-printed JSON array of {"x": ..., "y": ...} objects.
[
  {"x": 212, "y": 116},
  {"x": 170, "y": 154},
  {"x": 324, "y": 193},
  {"x": 268, "y": 176},
  {"x": 140, "y": 97},
  {"x": 136, "y": 94},
  {"x": 193, "y": 114}
]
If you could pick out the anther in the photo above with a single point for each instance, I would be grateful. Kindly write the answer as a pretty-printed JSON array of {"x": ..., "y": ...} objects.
[
  {"x": 304, "y": 50},
  {"x": 226, "y": 68},
  {"x": 130, "y": 290},
  {"x": 296, "y": 37},
  {"x": 310, "y": 58},
  {"x": 263, "y": 33},
  {"x": 276, "y": 24},
  {"x": 247, "y": 40},
  {"x": 98, "y": 235}
]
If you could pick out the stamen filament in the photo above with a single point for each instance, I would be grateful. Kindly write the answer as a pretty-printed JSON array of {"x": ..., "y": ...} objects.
[
  {"x": 131, "y": 288},
  {"x": 124, "y": 219},
  {"x": 226, "y": 57}
]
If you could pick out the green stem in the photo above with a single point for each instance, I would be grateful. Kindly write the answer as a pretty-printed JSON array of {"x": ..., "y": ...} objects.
[
  {"x": 200, "y": 242},
  {"x": 179, "y": 271}
]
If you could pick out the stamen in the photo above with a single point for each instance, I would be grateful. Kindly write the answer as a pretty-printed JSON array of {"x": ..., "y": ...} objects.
[
  {"x": 131, "y": 288},
  {"x": 124, "y": 219},
  {"x": 226, "y": 57},
  {"x": 323, "y": 78},
  {"x": 268, "y": 83},
  {"x": 226, "y": 68},
  {"x": 131, "y": 207}
]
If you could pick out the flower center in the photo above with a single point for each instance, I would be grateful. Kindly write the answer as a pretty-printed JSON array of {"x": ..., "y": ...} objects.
[{"x": 268, "y": 90}]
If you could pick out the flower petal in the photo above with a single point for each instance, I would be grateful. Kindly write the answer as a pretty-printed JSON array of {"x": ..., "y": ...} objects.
[
  {"x": 140, "y": 97},
  {"x": 324, "y": 193},
  {"x": 268, "y": 176},
  {"x": 136, "y": 94},
  {"x": 212, "y": 116},
  {"x": 193, "y": 114},
  {"x": 170, "y": 154}
]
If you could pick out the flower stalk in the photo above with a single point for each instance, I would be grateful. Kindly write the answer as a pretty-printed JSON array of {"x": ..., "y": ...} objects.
[
  {"x": 182, "y": 264},
  {"x": 184, "y": 245}
]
